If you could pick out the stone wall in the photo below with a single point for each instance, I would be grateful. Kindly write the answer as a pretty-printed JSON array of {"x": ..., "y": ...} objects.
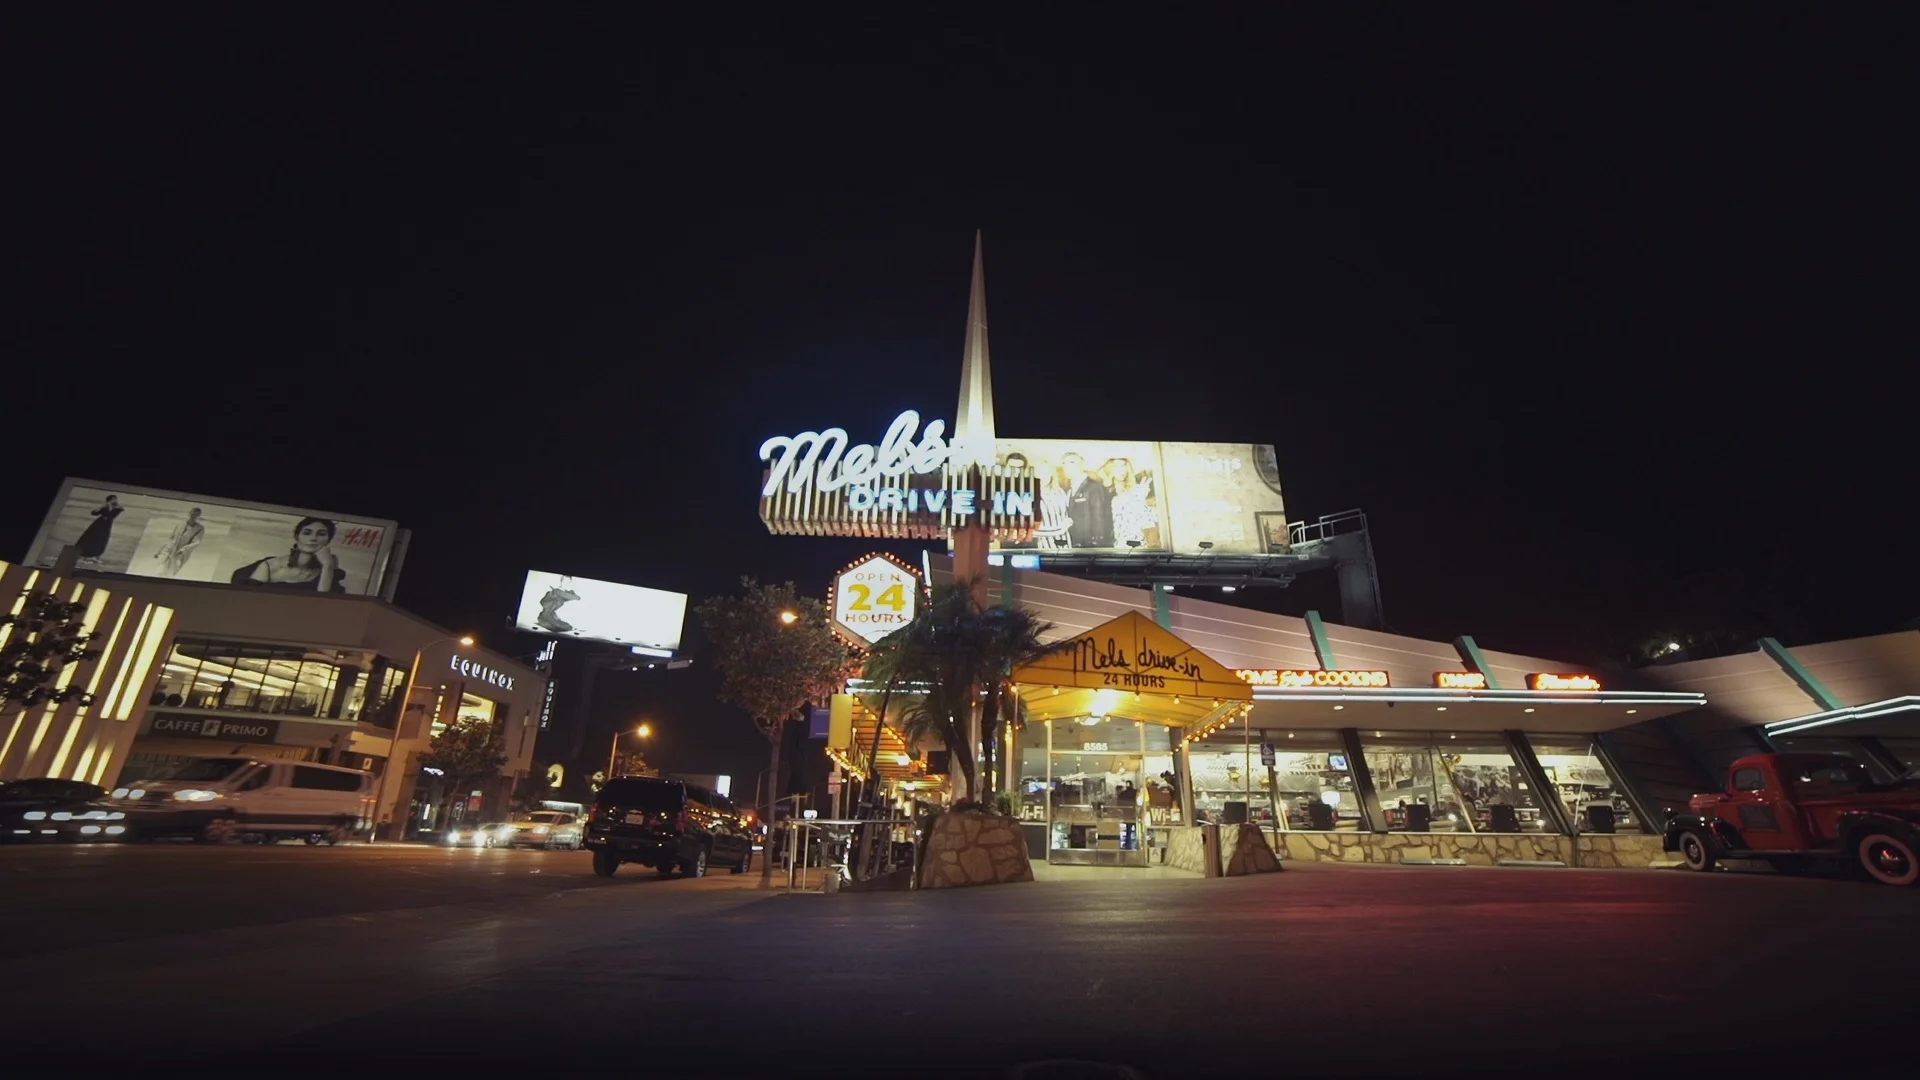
[
  {"x": 1246, "y": 850},
  {"x": 1618, "y": 851},
  {"x": 969, "y": 848},
  {"x": 1187, "y": 849}
]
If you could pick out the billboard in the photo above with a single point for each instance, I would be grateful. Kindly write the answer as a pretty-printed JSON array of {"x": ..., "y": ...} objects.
[
  {"x": 1150, "y": 497},
  {"x": 145, "y": 532},
  {"x": 593, "y": 610}
]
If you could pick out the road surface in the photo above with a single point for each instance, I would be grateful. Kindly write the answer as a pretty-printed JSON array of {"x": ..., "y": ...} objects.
[{"x": 248, "y": 959}]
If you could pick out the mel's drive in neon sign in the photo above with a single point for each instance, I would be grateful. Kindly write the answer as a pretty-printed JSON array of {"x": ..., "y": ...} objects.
[{"x": 874, "y": 476}]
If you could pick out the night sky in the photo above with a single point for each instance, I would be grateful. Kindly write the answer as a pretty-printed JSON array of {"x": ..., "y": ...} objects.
[{"x": 1603, "y": 318}]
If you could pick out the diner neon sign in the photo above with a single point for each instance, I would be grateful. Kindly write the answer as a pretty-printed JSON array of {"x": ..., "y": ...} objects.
[
  {"x": 1546, "y": 681},
  {"x": 1287, "y": 679},
  {"x": 815, "y": 458},
  {"x": 1460, "y": 680}
]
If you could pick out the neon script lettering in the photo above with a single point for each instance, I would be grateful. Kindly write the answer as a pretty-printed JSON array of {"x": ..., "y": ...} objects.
[
  {"x": 822, "y": 460},
  {"x": 1297, "y": 680},
  {"x": 1562, "y": 682}
]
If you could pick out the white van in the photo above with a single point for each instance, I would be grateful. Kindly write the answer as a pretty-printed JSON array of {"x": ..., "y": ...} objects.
[{"x": 220, "y": 798}]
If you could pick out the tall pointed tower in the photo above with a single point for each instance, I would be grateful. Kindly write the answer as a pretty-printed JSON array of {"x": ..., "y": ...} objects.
[
  {"x": 973, "y": 421},
  {"x": 972, "y": 451},
  {"x": 972, "y": 443}
]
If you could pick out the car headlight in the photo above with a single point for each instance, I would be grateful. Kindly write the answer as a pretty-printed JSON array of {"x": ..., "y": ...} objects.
[
  {"x": 34, "y": 815},
  {"x": 453, "y": 836},
  {"x": 196, "y": 795},
  {"x": 119, "y": 793}
]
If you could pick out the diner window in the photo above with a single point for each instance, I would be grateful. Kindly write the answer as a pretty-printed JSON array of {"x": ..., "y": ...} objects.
[
  {"x": 1445, "y": 782},
  {"x": 1032, "y": 748},
  {"x": 1310, "y": 788},
  {"x": 1593, "y": 796},
  {"x": 1097, "y": 786}
]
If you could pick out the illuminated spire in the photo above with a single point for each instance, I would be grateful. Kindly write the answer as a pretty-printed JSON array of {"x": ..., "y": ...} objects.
[{"x": 973, "y": 422}]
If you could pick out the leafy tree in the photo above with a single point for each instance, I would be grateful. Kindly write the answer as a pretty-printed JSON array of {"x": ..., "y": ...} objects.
[
  {"x": 466, "y": 752},
  {"x": 1005, "y": 639},
  {"x": 776, "y": 654}
]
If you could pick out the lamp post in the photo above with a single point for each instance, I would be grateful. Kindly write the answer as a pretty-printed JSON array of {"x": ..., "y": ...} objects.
[
  {"x": 644, "y": 731},
  {"x": 406, "y": 700}
]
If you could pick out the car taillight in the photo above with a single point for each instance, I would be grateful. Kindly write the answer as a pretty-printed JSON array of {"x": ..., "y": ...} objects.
[{"x": 682, "y": 821}]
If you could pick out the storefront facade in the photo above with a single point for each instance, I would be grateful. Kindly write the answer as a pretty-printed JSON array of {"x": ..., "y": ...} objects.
[
  {"x": 86, "y": 728},
  {"x": 1383, "y": 747},
  {"x": 343, "y": 680}
]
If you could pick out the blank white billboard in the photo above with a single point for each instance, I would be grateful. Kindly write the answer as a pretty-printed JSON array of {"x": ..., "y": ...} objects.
[{"x": 595, "y": 610}]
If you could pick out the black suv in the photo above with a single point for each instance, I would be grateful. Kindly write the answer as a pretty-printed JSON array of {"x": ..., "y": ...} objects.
[{"x": 668, "y": 825}]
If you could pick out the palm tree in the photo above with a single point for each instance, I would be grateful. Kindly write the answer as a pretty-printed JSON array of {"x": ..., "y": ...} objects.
[
  {"x": 1005, "y": 639},
  {"x": 964, "y": 656},
  {"x": 940, "y": 649}
]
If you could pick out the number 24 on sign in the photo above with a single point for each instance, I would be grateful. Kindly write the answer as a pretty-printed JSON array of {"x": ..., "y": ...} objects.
[{"x": 893, "y": 597}]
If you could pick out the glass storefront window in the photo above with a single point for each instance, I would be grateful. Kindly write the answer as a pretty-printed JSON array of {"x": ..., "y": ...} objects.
[
  {"x": 1592, "y": 795},
  {"x": 472, "y": 707},
  {"x": 1443, "y": 782},
  {"x": 1310, "y": 787},
  {"x": 280, "y": 680},
  {"x": 243, "y": 688},
  {"x": 1033, "y": 780}
]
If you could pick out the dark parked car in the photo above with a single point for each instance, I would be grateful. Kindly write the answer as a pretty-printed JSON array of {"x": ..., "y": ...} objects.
[
  {"x": 668, "y": 825},
  {"x": 47, "y": 809}
]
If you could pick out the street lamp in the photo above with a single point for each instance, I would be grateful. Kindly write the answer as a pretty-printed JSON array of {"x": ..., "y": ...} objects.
[
  {"x": 788, "y": 618},
  {"x": 645, "y": 731},
  {"x": 399, "y": 722}
]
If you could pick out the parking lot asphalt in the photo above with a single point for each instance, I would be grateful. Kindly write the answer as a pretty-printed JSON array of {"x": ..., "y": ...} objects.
[{"x": 229, "y": 960}]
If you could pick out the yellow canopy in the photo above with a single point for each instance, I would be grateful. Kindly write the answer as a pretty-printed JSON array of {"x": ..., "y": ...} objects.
[{"x": 1133, "y": 669}]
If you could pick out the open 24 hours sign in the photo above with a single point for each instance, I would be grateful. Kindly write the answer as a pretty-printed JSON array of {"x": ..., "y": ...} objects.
[{"x": 874, "y": 596}]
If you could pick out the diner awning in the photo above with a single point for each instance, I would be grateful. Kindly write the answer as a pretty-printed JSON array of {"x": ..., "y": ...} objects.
[
  {"x": 1897, "y": 717},
  {"x": 1131, "y": 668}
]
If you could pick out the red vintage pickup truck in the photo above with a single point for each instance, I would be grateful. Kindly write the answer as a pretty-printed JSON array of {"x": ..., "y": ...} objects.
[{"x": 1799, "y": 810}]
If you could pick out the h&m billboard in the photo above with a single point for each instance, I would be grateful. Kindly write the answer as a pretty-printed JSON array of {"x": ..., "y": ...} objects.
[{"x": 145, "y": 532}]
